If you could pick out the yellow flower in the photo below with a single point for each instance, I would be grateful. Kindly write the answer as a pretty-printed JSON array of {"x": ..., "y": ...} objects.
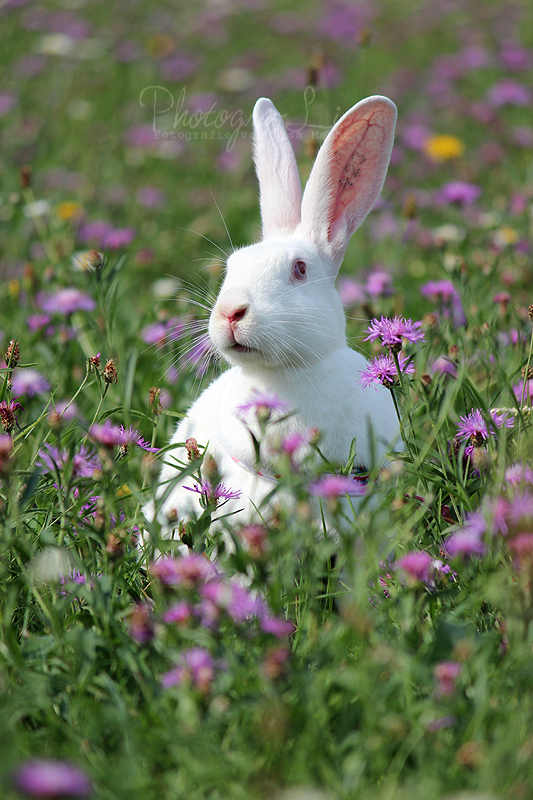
[
  {"x": 69, "y": 210},
  {"x": 443, "y": 147},
  {"x": 506, "y": 236}
]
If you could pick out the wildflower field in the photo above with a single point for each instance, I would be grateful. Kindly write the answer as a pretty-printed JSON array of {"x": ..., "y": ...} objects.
[{"x": 390, "y": 659}]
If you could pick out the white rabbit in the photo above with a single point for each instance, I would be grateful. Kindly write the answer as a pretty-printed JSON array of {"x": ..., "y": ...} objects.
[{"x": 279, "y": 322}]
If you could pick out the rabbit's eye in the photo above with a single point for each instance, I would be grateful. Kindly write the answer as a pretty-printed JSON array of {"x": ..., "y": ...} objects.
[{"x": 299, "y": 270}]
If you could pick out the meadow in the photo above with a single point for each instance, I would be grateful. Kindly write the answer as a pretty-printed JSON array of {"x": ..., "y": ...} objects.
[{"x": 391, "y": 661}]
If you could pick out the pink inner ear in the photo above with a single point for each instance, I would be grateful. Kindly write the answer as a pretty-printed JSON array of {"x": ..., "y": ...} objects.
[{"x": 357, "y": 168}]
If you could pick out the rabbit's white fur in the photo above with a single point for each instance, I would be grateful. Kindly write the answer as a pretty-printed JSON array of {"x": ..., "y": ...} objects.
[{"x": 283, "y": 332}]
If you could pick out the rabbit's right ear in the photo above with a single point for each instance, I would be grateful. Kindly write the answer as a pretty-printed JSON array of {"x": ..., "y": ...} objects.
[
  {"x": 347, "y": 176},
  {"x": 277, "y": 172}
]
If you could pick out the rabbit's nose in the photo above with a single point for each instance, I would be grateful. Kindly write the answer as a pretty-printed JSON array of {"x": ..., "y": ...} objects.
[{"x": 233, "y": 307}]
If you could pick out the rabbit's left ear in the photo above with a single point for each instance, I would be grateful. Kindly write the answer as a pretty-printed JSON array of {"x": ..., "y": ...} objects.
[
  {"x": 348, "y": 176},
  {"x": 277, "y": 172}
]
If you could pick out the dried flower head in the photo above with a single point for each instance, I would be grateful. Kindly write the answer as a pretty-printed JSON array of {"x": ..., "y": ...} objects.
[
  {"x": 25, "y": 176},
  {"x": 94, "y": 362},
  {"x": 110, "y": 374},
  {"x": 88, "y": 261},
  {"x": 12, "y": 354},
  {"x": 154, "y": 400},
  {"x": 193, "y": 451}
]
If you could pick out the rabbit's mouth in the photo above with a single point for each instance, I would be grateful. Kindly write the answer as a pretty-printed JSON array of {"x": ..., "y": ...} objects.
[{"x": 236, "y": 347}]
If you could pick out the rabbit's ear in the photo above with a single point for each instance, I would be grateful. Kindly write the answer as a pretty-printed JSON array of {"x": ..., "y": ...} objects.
[
  {"x": 277, "y": 172},
  {"x": 348, "y": 175}
]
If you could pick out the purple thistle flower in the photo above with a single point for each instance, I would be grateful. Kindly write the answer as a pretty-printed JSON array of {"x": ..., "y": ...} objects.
[
  {"x": 94, "y": 232},
  {"x": 84, "y": 464},
  {"x": 179, "y": 613},
  {"x": 509, "y": 92},
  {"x": 467, "y": 541},
  {"x": 190, "y": 570},
  {"x": 106, "y": 434},
  {"x": 382, "y": 370},
  {"x": 446, "y": 673},
  {"x": 276, "y": 626},
  {"x": 132, "y": 436},
  {"x": 209, "y": 493},
  {"x": 37, "y": 322},
  {"x": 332, "y": 486},
  {"x": 458, "y": 193},
  {"x": 263, "y": 404},
  {"x": 29, "y": 382},
  {"x": 196, "y": 666},
  {"x": 9, "y": 414},
  {"x": 379, "y": 284},
  {"x": 118, "y": 238},
  {"x": 416, "y": 565},
  {"x": 162, "y": 332},
  {"x": 518, "y": 473},
  {"x": 50, "y": 778},
  {"x": 350, "y": 291},
  {"x": 439, "y": 290},
  {"x": 473, "y": 426},
  {"x": 66, "y": 301},
  {"x": 523, "y": 391},
  {"x": 393, "y": 331},
  {"x": 141, "y": 624},
  {"x": 196, "y": 356}
]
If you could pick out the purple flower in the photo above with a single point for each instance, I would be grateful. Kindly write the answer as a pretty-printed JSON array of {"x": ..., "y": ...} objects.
[
  {"x": 179, "y": 613},
  {"x": 445, "y": 366},
  {"x": 29, "y": 382},
  {"x": 196, "y": 666},
  {"x": 382, "y": 370},
  {"x": 129, "y": 436},
  {"x": 379, "y": 282},
  {"x": 118, "y": 238},
  {"x": 106, "y": 434},
  {"x": 235, "y": 600},
  {"x": 332, "y": 486},
  {"x": 416, "y": 565},
  {"x": 467, "y": 541},
  {"x": 439, "y": 291},
  {"x": 94, "y": 232},
  {"x": 459, "y": 193},
  {"x": 110, "y": 436},
  {"x": 509, "y": 92},
  {"x": 523, "y": 391},
  {"x": 263, "y": 404},
  {"x": 49, "y": 778},
  {"x": 473, "y": 426},
  {"x": 162, "y": 332},
  {"x": 83, "y": 463},
  {"x": 446, "y": 673},
  {"x": 190, "y": 570},
  {"x": 37, "y": 322},
  {"x": 141, "y": 623},
  {"x": 350, "y": 291},
  {"x": 150, "y": 197},
  {"x": 198, "y": 355},
  {"x": 179, "y": 66},
  {"x": 8, "y": 101},
  {"x": 276, "y": 626},
  {"x": 393, "y": 331},
  {"x": 446, "y": 295},
  {"x": 9, "y": 414},
  {"x": 515, "y": 57},
  {"x": 210, "y": 494},
  {"x": 66, "y": 301},
  {"x": 518, "y": 473}
]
